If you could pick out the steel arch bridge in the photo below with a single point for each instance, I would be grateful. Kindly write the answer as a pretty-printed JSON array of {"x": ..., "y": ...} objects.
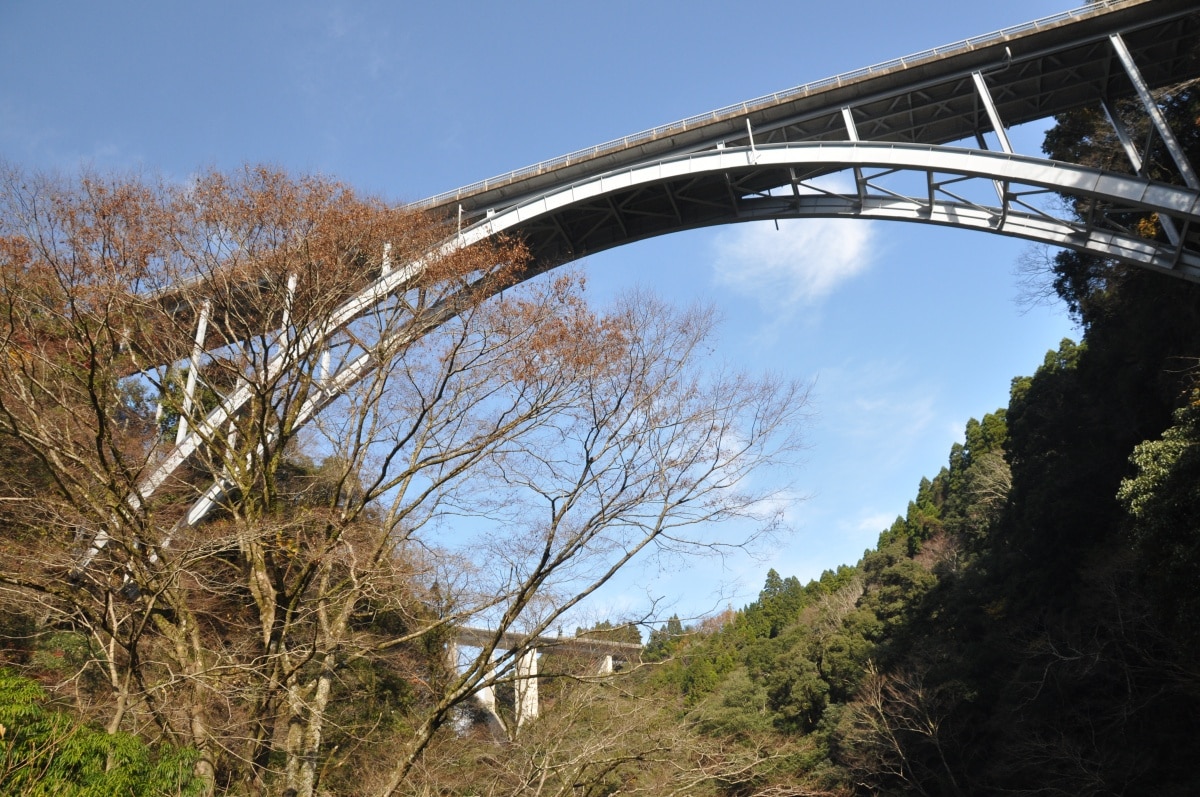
[{"x": 911, "y": 135}]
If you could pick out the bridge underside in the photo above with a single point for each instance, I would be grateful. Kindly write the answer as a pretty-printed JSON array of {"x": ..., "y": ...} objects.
[
  {"x": 987, "y": 191},
  {"x": 1032, "y": 71},
  {"x": 881, "y": 134}
]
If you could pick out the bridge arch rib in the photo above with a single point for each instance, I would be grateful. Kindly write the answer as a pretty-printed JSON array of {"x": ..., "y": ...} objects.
[
  {"x": 777, "y": 181},
  {"x": 743, "y": 184},
  {"x": 765, "y": 159}
]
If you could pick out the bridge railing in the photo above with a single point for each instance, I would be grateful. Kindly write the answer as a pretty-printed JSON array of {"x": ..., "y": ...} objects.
[{"x": 965, "y": 45}]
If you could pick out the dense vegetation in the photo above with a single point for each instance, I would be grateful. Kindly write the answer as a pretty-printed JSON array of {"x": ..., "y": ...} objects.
[
  {"x": 1027, "y": 626},
  {"x": 46, "y": 753}
]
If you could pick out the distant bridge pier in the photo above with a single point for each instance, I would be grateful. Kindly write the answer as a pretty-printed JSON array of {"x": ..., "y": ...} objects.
[
  {"x": 526, "y": 708},
  {"x": 525, "y": 674},
  {"x": 486, "y": 698}
]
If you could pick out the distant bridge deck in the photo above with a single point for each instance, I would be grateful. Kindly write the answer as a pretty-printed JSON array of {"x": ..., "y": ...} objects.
[{"x": 482, "y": 637}]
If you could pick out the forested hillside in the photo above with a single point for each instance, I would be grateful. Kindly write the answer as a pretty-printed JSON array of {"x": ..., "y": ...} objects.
[{"x": 1028, "y": 625}]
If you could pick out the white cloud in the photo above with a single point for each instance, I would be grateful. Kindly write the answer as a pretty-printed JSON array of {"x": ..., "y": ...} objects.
[
  {"x": 899, "y": 413},
  {"x": 784, "y": 506},
  {"x": 871, "y": 523},
  {"x": 885, "y": 403},
  {"x": 798, "y": 264}
]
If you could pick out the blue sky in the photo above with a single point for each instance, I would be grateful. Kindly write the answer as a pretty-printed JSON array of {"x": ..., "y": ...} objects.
[{"x": 905, "y": 331}]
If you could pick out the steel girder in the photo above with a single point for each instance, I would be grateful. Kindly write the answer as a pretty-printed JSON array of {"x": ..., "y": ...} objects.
[
  {"x": 765, "y": 159},
  {"x": 744, "y": 184},
  {"x": 777, "y": 181},
  {"x": 1033, "y": 71}
]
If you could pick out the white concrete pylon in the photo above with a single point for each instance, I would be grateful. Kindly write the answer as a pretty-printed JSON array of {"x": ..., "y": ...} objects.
[
  {"x": 526, "y": 687},
  {"x": 486, "y": 695}
]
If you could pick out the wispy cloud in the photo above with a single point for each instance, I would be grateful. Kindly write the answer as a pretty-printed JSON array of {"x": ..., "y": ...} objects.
[
  {"x": 797, "y": 265},
  {"x": 870, "y": 522},
  {"x": 901, "y": 412},
  {"x": 783, "y": 506},
  {"x": 354, "y": 63},
  {"x": 873, "y": 399}
]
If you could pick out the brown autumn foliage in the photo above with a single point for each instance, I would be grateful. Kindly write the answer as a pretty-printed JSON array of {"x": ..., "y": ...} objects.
[{"x": 263, "y": 536}]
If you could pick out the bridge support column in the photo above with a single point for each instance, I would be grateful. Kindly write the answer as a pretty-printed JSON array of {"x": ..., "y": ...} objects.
[
  {"x": 189, "y": 389},
  {"x": 606, "y": 665},
  {"x": 989, "y": 106},
  {"x": 1155, "y": 113},
  {"x": 860, "y": 183},
  {"x": 985, "y": 96},
  {"x": 1139, "y": 166},
  {"x": 526, "y": 687},
  {"x": 486, "y": 698}
]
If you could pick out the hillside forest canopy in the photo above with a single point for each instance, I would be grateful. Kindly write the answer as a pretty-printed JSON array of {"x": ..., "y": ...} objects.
[{"x": 1025, "y": 626}]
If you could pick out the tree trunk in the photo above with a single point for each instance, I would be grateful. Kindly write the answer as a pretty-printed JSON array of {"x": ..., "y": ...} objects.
[{"x": 306, "y": 725}]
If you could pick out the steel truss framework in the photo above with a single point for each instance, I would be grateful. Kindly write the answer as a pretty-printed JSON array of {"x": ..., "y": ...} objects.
[
  {"x": 781, "y": 181},
  {"x": 884, "y": 128}
]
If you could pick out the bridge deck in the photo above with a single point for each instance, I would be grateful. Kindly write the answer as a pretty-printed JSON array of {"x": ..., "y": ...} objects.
[
  {"x": 701, "y": 172},
  {"x": 1034, "y": 70}
]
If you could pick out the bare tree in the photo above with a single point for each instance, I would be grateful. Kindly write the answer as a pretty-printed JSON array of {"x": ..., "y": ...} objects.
[
  {"x": 609, "y": 736},
  {"x": 894, "y": 733},
  {"x": 330, "y": 484}
]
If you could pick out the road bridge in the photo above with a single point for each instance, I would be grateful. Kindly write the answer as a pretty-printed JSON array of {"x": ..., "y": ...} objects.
[
  {"x": 606, "y": 656},
  {"x": 928, "y": 115},
  {"x": 921, "y": 138}
]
